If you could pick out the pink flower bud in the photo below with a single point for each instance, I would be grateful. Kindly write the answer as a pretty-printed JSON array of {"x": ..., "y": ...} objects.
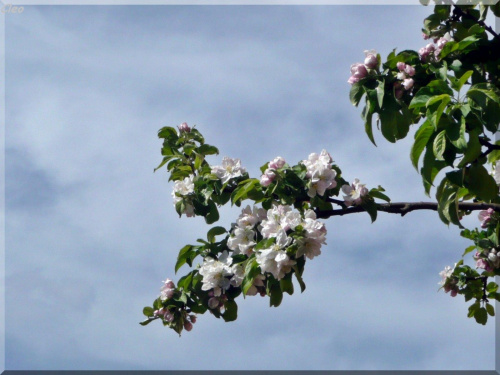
[
  {"x": 192, "y": 318},
  {"x": 188, "y": 326},
  {"x": 425, "y": 36},
  {"x": 423, "y": 53},
  {"x": 410, "y": 70},
  {"x": 408, "y": 83},
  {"x": 169, "y": 317},
  {"x": 454, "y": 293},
  {"x": 371, "y": 61},
  {"x": 169, "y": 284},
  {"x": 358, "y": 71},
  {"x": 277, "y": 163},
  {"x": 352, "y": 80},
  {"x": 268, "y": 177},
  {"x": 430, "y": 47},
  {"x": 401, "y": 65},
  {"x": 184, "y": 127}
]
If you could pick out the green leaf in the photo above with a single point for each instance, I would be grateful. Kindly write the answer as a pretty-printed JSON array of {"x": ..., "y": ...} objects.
[
  {"x": 185, "y": 254},
  {"x": 242, "y": 191},
  {"x": 215, "y": 231},
  {"x": 276, "y": 295},
  {"x": 468, "y": 250},
  {"x": 436, "y": 87},
  {"x": 286, "y": 284},
  {"x": 371, "y": 207},
  {"x": 422, "y": 136},
  {"x": 463, "y": 79},
  {"x": 490, "y": 309},
  {"x": 436, "y": 106},
  {"x": 356, "y": 93},
  {"x": 367, "y": 115},
  {"x": 168, "y": 133},
  {"x": 213, "y": 214},
  {"x": 377, "y": 194},
  {"x": 146, "y": 322},
  {"x": 492, "y": 287},
  {"x": 251, "y": 270},
  {"x": 299, "y": 279},
  {"x": 184, "y": 283},
  {"x": 456, "y": 134},
  {"x": 473, "y": 150},
  {"x": 148, "y": 311},
  {"x": 208, "y": 150},
  {"x": 481, "y": 183},
  {"x": 472, "y": 309},
  {"x": 430, "y": 168},
  {"x": 439, "y": 145},
  {"x": 231, "y": 311},
  {"x": 481, "y": 316}
]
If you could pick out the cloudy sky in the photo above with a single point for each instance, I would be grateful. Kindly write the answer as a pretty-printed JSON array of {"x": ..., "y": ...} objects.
[{"x": 91, "y": 230}]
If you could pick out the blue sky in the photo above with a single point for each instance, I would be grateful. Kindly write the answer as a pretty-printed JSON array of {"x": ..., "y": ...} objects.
[{"x": 91, "y": 230}]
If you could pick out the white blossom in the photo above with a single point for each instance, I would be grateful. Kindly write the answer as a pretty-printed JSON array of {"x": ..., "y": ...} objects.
[
  {"x": 354, "y": 193},
  {"x": 250, "y": 217},
  {"x": 242, "y": 240},
  {"x": 183, "y": 188},
  {"x": 308, "y": 247},
  {"x": 275, "y": 259},
  {"x": 230, "y": 168},
  {"x": 320, "y": 172},
  {"x": 216, "y": 272}
]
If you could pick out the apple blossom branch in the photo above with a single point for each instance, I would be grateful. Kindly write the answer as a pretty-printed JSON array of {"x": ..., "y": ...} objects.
[{"x": 402, "y": 208}]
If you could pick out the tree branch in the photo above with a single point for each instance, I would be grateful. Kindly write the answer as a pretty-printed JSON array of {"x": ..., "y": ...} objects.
[
  {"x": 459, "y": 12},
  {"x": 402, "y": 208}
]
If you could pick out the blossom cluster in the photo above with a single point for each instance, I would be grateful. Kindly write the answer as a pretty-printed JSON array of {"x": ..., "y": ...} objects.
[
  {"x": 360, "y": 70},
  {"x": 405, "y": 81},
  {"x": 489, "y": 260},
  {"x": 275, "y": 257},
  {"x": 167, "y": 291},
  {"x": 354, "y": 193},
  {"x": 320, "y": 173},
  {"x": 431, "y": 51}
]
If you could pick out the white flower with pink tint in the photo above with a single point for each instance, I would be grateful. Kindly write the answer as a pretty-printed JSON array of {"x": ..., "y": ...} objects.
[
  {"x": 182, "y": 189},
  {"x": 250, "y": 217},
  {"x": 408, "y": 83},
  {"x": 410, "y": 70},
  {"x": 308, "y": 247},
  {"x": 216, "y": 273},
  {"x": 230, "y": 168},
  {"x": 354, "y": 193},
  {"x": 320, "y": 173},
  {"x": 242, "y": 240},
  {"x": 485, "y": 217},
  {"x": 275, "y": 259}
]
